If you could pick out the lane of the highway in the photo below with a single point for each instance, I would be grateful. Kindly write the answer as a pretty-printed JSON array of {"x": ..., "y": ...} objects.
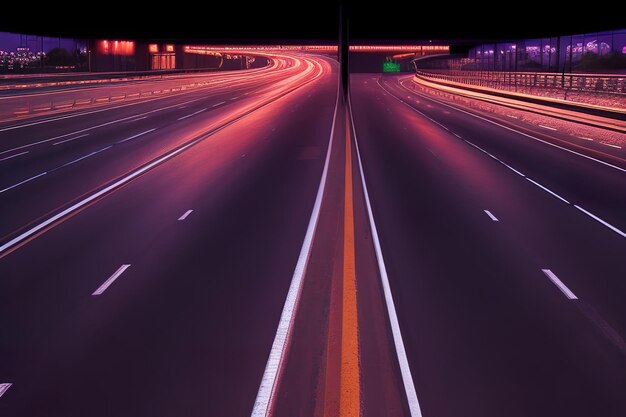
[
  {"x": 163, "y": 298},
  {"x": 589, "y": 187},
  {"x": 509, "y": 299},
  {"x": 56, "y": 172}
]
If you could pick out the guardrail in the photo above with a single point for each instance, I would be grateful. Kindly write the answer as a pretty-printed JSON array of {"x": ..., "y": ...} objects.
[
  {"x": 567, "y": 86},
  {"x": 46, "y": 102},
  {"x": 15, "y": 107}
]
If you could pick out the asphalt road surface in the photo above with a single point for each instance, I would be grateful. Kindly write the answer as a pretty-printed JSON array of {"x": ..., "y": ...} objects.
[{"x": 260, "y": 245}]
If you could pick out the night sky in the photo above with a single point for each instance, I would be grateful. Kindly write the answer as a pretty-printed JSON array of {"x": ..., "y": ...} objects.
[{"x": 312, "y": 20}]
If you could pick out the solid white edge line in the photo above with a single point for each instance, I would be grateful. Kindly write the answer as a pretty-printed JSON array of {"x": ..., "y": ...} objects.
[
  {"x": 136, "y": 136},
  {"x": 23, "y": 182},
  {"x": 593, "y": 216},
  {"x": 14, "y": 156},
  {"x": 556, "y": 281},
  {"x": 184, "y": 216},
  {"x": 548, "y": 190},
  {"x": 512, "y": 169},
  {"x": 70, "y": 139},
  {"x": 518, "y": 132},
  {"x": 4, "y": 387},
  {"x": 274, "y": 362},
  {"x": 407, "y": 378},
  {"x": 102, "y": 288},
  {"x": 491, "y": 216}
]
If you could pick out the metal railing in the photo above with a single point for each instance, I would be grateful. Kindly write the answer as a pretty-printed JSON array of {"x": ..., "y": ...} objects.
[{"x": 558, "y": 85}]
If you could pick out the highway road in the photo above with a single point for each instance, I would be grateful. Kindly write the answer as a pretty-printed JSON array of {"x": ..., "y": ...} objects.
[
  {"x": 509, "y": 292},
  {"x": 262, "y": 246},
  {"x": 211, "y": 236}
]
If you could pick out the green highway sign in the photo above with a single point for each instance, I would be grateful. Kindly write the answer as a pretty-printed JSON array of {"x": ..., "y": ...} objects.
[{"x": 390, "y": 66}]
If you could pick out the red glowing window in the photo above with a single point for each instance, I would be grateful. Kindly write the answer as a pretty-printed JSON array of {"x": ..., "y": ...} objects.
[
  {"x": 106, "y": 47},
  {"x": 169, "y": 48},
  {"x": 153, "y": 48}
]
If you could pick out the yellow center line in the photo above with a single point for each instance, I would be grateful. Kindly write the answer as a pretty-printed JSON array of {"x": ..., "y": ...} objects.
[{"x": 350, "y": 388}]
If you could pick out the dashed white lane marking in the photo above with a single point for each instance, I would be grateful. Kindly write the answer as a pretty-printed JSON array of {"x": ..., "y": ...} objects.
[
  {"x": 218, "y": 104},
  {"x": 556, "y": 281},
  {"x": 611, "y": 145},
  {"x": 403, "y": 361},
  {"x": 139, "y": 118},
  {"x": 70, "y": 139},
  {"x": 491, "y": 216},
  {"x": 511, "y": 116},
  {"x": 596, "y": 218},
  {"x": 184, "y": 216},
  {"x": 111, "y": 279},
  {"x": 584, "y": 138},
  {"x": 192, "y": 114},
  {"x": 548, "y": 190},
  {"x": 84, "y": 157},
  {"x": 137, "y": 135},
  {"x": 547, "y": 127},
  {"x": 274, "y": 362},
  {"x": 14, "y": 156},
  {"x": 23, "y": 182},
  {"x": 4, "y": 387}
]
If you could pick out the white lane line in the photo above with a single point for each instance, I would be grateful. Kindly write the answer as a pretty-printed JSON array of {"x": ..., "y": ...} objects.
[
  {"x": 136, "y": 136},
  {"x": 71, "y": 139},
  {"x": 192, "y": 114},
  {"x": 613, "y": 146},
  {"x": 593, "y": 216},
  {"x": 512, "y": 169},
  {"x": 4, "y": 387},
  {"x": 556, "y": 281},
  {"x": 218, "y": 104},
  {"x": 23, "y": 182},
  {"x": 184, "y": 216},
  {"x": 481, "y": 149},
  {"x": 102, "y": 288},
  {"x": 491, "y": 216},
  {"x": 139, "y": 118},
  {"x": 548, "y": 190},
  {"x": 584, "y": 138},
  {"x": 83, "y": 157},
  {"x": 14, "y": 156},
  {"x": 403, "y": 361},
  {"x": 547, "y": 127},
  {"x": 518, "y": 132},
  {"x": 234, "y": 98},
  {"x": 511, "y": 116},
  {"x": 273, "y": 367}
]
